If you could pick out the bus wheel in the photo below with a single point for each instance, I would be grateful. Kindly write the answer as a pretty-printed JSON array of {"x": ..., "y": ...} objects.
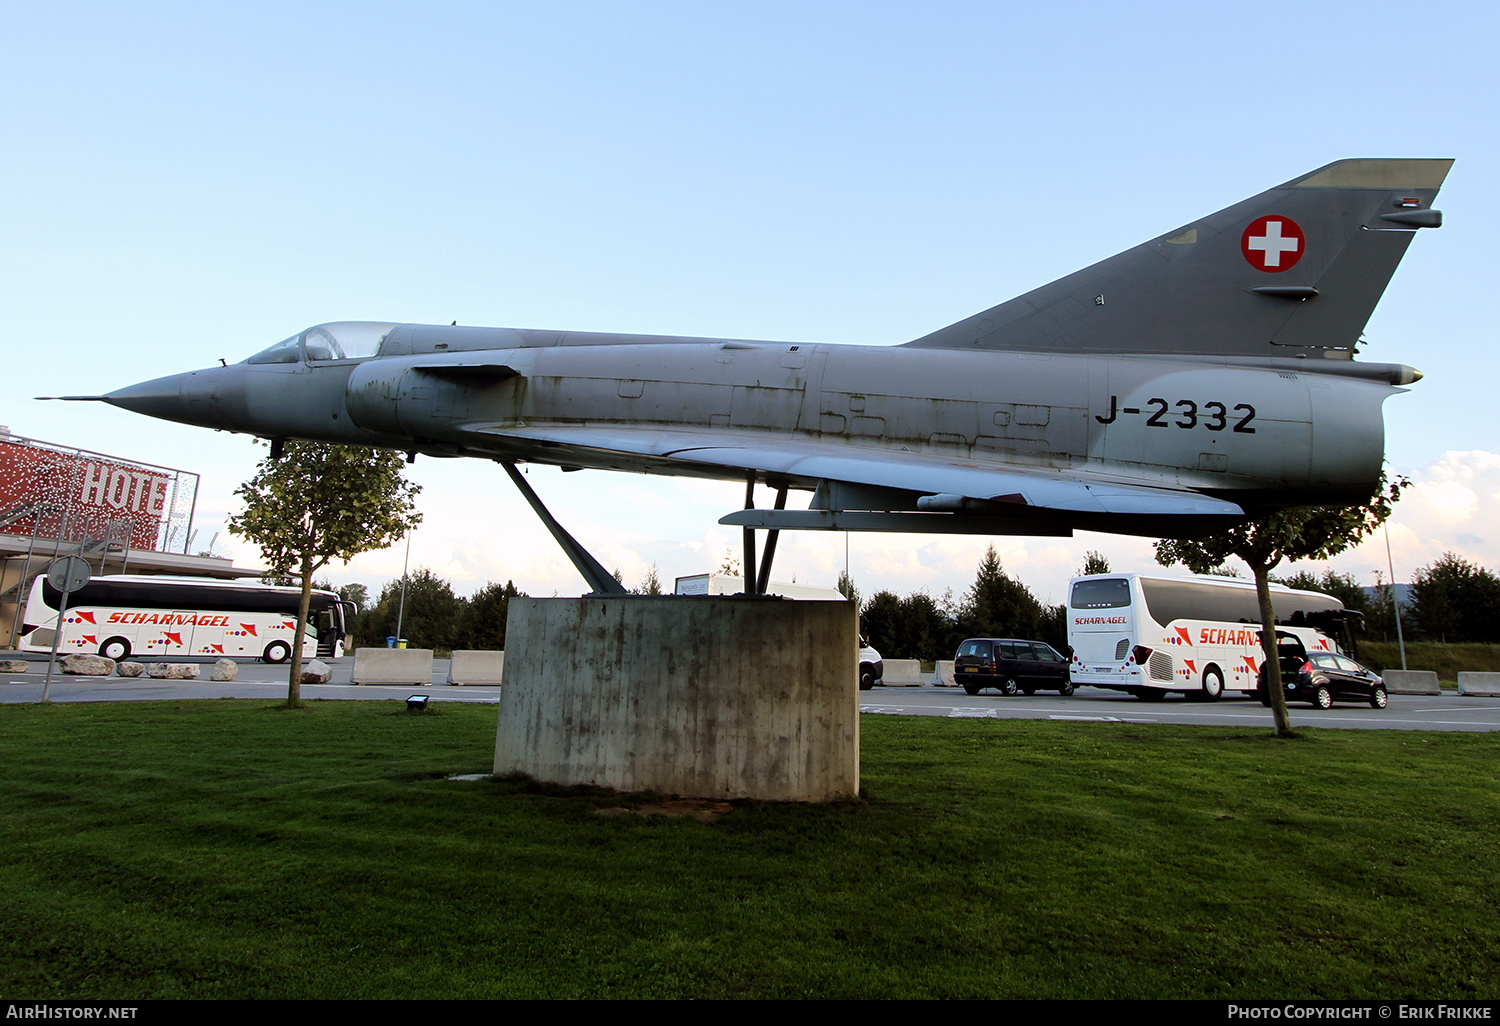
[
  {"x": 1213, "y": 685},
  {"x": 116, "y": 649},
  {"x": 866, "y": 678},
  {"x": 276, "y": 652}
]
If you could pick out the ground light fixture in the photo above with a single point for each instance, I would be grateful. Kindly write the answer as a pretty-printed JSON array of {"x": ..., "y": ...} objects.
[{"x": 416, "y": 703}]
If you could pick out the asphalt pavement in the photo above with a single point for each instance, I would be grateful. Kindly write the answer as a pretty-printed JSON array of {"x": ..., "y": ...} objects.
[{"x": 255, "y": 679}]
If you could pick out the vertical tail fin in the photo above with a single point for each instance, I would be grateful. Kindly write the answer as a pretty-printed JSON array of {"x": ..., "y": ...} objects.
[{"x": 1296, "y": 270}]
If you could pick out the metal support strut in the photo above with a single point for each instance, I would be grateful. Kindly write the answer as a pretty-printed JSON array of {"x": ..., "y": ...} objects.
[
  {"x": 598, "y": 578},
  {"x": 758, "y": 579}
]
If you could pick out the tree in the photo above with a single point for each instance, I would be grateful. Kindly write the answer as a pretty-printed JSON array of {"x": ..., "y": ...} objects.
[
  {"x": 430, "y": 616},
  {"x": 1284, "y": 535},
  {"x": 925, "y": 628},
  {"x": 998, "y": 605},
  {"x": 1093, "y": 563},
  {"x": 1053, "y": 628},
  {"x": 357, "y": 593},
  {"x": 846, "y": 587},
  {"x": 1455, "y": 600},
  {"x": 879, "y": 622},
  {"x": 1341, "y": 586},
  {"x": 319, "y": 503},
  {"x": 1381, "y": 619},
  {"x": 914, "y": 627},
  {"x": 485, "y": 618},
  {"x": 651, "y": 583}
]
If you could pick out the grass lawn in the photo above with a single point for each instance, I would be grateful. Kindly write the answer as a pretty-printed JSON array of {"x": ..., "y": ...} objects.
[{"x": 233, "y": 849}]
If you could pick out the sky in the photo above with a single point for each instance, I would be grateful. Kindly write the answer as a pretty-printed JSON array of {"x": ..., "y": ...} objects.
[{"x": 185, "y": 182}]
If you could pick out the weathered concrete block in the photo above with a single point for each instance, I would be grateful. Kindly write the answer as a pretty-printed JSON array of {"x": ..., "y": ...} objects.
[
  {"x": 475, "y": 667},
  {"x": 393, "y": 666},
  {"x": 14, "y": 666},
  {"x": 713, "y": 697},
  {"x": 942, "y": 674},
  {"x": 173, "y": 671},
  {"x": 1479, "y": 683},
  {"x": 224, "y": 670},
  {"x": 130, "y": 669},
  {"x": 903, "y": 673},
  {"x": 82, "y": 665},
  {"x": 316, "y": 672},
  {"x": 1411, "y": 682}
]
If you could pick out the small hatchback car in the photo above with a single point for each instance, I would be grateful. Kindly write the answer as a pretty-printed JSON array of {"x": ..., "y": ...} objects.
[
  {"x": 1326, "y": 676},
  {"x": 1011, "y": 665}
]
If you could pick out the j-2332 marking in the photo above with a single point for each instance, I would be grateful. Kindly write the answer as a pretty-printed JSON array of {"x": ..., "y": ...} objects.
[{"x": 1215, "y": 415}]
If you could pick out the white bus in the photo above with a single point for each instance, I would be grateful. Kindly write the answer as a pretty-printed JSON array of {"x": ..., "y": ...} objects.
[
  {"x": 121, "y": 615},
  {"x": 1200, "y": 636}
]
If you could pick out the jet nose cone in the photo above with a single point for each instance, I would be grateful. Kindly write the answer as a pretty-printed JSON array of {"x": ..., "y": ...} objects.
[{"x": 161, "y": 397}]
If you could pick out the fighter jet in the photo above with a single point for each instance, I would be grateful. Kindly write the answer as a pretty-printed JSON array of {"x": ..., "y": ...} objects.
[{"x": 1197, "y": 378}]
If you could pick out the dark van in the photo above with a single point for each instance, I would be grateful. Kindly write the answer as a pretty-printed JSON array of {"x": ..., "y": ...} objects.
[{"x": 1011, "y": 664}]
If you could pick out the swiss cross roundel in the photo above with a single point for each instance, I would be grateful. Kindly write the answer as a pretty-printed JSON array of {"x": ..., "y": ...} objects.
[{"x": 1273, "y": 243}]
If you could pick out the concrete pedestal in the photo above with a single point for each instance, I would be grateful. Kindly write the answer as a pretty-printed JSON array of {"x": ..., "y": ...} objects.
[{"x": 703, "y": 696}]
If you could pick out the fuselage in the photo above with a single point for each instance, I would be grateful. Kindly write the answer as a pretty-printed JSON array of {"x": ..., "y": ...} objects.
[{"x": 1267, "y": 432}]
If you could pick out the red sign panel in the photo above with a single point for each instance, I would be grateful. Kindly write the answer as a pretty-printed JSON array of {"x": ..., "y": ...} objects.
[{"x": 93, "y": 493}]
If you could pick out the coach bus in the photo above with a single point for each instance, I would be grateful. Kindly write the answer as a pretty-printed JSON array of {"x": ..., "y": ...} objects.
[
  {"x": 1199, "y": 636},
  {"x": 120, "y": 615}
]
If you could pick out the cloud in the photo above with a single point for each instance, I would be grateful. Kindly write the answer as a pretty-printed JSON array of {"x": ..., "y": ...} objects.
[{"x": 1452, "y": 505}]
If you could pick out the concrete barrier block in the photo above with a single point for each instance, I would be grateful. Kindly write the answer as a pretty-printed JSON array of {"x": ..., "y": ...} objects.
[
  {"x": 942, "y": 674},
  {"x": 14, "y": 666},
  {"x": 476, "y": 667},
  {"x": 712, "y": 698},
  {"x": 903, "y": 673},
  {"x": 1412, "y": 682},
  {"x": 392, "y": 666},
  {"x": 1479, "y": 683}
]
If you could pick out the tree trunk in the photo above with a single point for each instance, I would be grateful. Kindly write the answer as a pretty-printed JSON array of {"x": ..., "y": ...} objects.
[
  {"x": 1271, "y": 650},
  {"x": 294, "y": 681}
]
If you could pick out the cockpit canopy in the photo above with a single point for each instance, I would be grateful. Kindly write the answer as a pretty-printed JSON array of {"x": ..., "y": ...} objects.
[{"x": 341, "y": 340}]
